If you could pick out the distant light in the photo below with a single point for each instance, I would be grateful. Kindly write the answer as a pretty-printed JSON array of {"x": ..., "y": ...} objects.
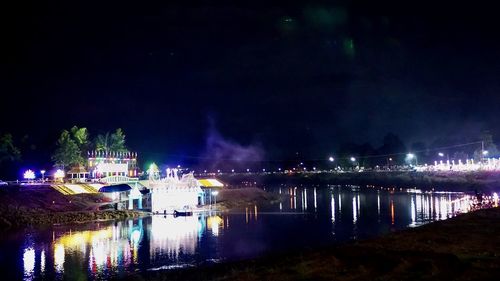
[
  {"x": 301, "y": 163},
  {"x": 279, "y": 169},
  {"x": 390, "y": 159},
  {"x": 331, "y": 159},
  {"x": 232, "y": 170},
  {"x": 441, "y": 154},
  {"x": 205, "y": 171},
  {"x": 305, "y": 168},
  {"x": 263, "y": 170},
  {"x": 42, "y": 171},
  {"x": 248, "y": 170},
  {"x": 178, "y": 166},
  {"x": 29, "y": 175},
  {"x": 485, "y": 152},
  {"x": 218, "y": 171},
  {"x": 410, "y": 155},
  {"x": 314, "y": 168},
  {"x": 59, "y": 174},
  {"x": 353, "y": 159}
]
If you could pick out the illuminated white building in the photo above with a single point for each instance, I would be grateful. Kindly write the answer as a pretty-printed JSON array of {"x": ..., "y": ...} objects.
[{"x": 173, "y": 193}]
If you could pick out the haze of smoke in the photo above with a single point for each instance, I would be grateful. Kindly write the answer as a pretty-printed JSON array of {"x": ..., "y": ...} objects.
[{"x": 221, "y": 153}]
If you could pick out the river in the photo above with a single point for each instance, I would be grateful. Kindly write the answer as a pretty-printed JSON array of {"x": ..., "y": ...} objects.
[{"x": 308, "y": 217}]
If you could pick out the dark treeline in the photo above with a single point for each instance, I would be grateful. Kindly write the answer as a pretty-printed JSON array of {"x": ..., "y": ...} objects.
[
  {"x": 17, "y": 153},
  {"x": 71, "y": 148}
]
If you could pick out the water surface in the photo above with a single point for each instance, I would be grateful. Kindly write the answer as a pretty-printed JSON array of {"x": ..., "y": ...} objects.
[{"x": 308, "y": 217}]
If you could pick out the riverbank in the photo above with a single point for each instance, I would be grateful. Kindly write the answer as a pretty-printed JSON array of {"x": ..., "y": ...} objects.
[
  {"x": 42, "y": 205},
  {"x": 20, "y": 218},
  {"x": 483, "y": 181},
  {"x": 466, "y": 247}
]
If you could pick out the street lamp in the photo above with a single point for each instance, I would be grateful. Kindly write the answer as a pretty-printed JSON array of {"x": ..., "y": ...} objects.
[
  {"x": 441, "y": 154},
  {"x": 331, "y": 159},
  {"x": 43, "y": 175},
  {"x": 485, "y": 152},
  {"x": 353, "y": 159},
  {"x": 215, "y": 193}
]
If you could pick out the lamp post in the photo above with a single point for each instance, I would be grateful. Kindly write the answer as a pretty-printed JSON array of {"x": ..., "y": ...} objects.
[
  {"x": 215, "y": 193},
  {"x": 353, "y": 160},
  {"x": 43, "y": 175}
]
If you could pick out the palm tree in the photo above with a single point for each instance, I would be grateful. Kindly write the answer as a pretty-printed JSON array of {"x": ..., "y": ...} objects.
[{"x": 102, "y": 143}]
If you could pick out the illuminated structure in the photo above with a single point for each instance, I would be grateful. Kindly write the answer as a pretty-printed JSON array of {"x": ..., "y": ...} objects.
[
  {"x": 29, "y": 175},
  {"x": 78, "y": 174},
  {"x": 105, "y": 164},
  {"x": 172, "y": 192}
]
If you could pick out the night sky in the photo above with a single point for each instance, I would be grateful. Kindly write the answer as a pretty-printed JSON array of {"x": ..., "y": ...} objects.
[{"x": 279, "y": 76}]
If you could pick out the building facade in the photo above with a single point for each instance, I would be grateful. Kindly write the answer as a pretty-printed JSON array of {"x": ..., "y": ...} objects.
[{"x": 103, "y": 164}]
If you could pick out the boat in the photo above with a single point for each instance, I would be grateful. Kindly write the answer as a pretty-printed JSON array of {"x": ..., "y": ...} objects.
[{"x": 186, "y": 211}]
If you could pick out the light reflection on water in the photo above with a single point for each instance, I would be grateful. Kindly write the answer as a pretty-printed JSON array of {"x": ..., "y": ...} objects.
[{"x": 323, "y": 216}]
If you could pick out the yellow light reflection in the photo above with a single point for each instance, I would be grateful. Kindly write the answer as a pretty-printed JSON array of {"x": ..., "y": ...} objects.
[
  {"x": 213, "y": 224},
  {"x": 59, "y": 257},
  {"x": 392, "y": 212},
  {"x": 255, "y": 209}
]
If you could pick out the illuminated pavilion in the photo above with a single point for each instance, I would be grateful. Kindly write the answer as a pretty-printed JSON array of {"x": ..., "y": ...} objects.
[{"x": 103, "y": 164}]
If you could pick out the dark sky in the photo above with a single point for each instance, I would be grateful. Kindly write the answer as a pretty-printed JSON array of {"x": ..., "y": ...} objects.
[{"x": 285, "y": 76}]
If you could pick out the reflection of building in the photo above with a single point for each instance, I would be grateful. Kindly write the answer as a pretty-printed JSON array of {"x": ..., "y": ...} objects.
[
  {"x": 170, "y": 235},
  {"x": 105, "y": 164},
  {"x": 105, "y": 248}
]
